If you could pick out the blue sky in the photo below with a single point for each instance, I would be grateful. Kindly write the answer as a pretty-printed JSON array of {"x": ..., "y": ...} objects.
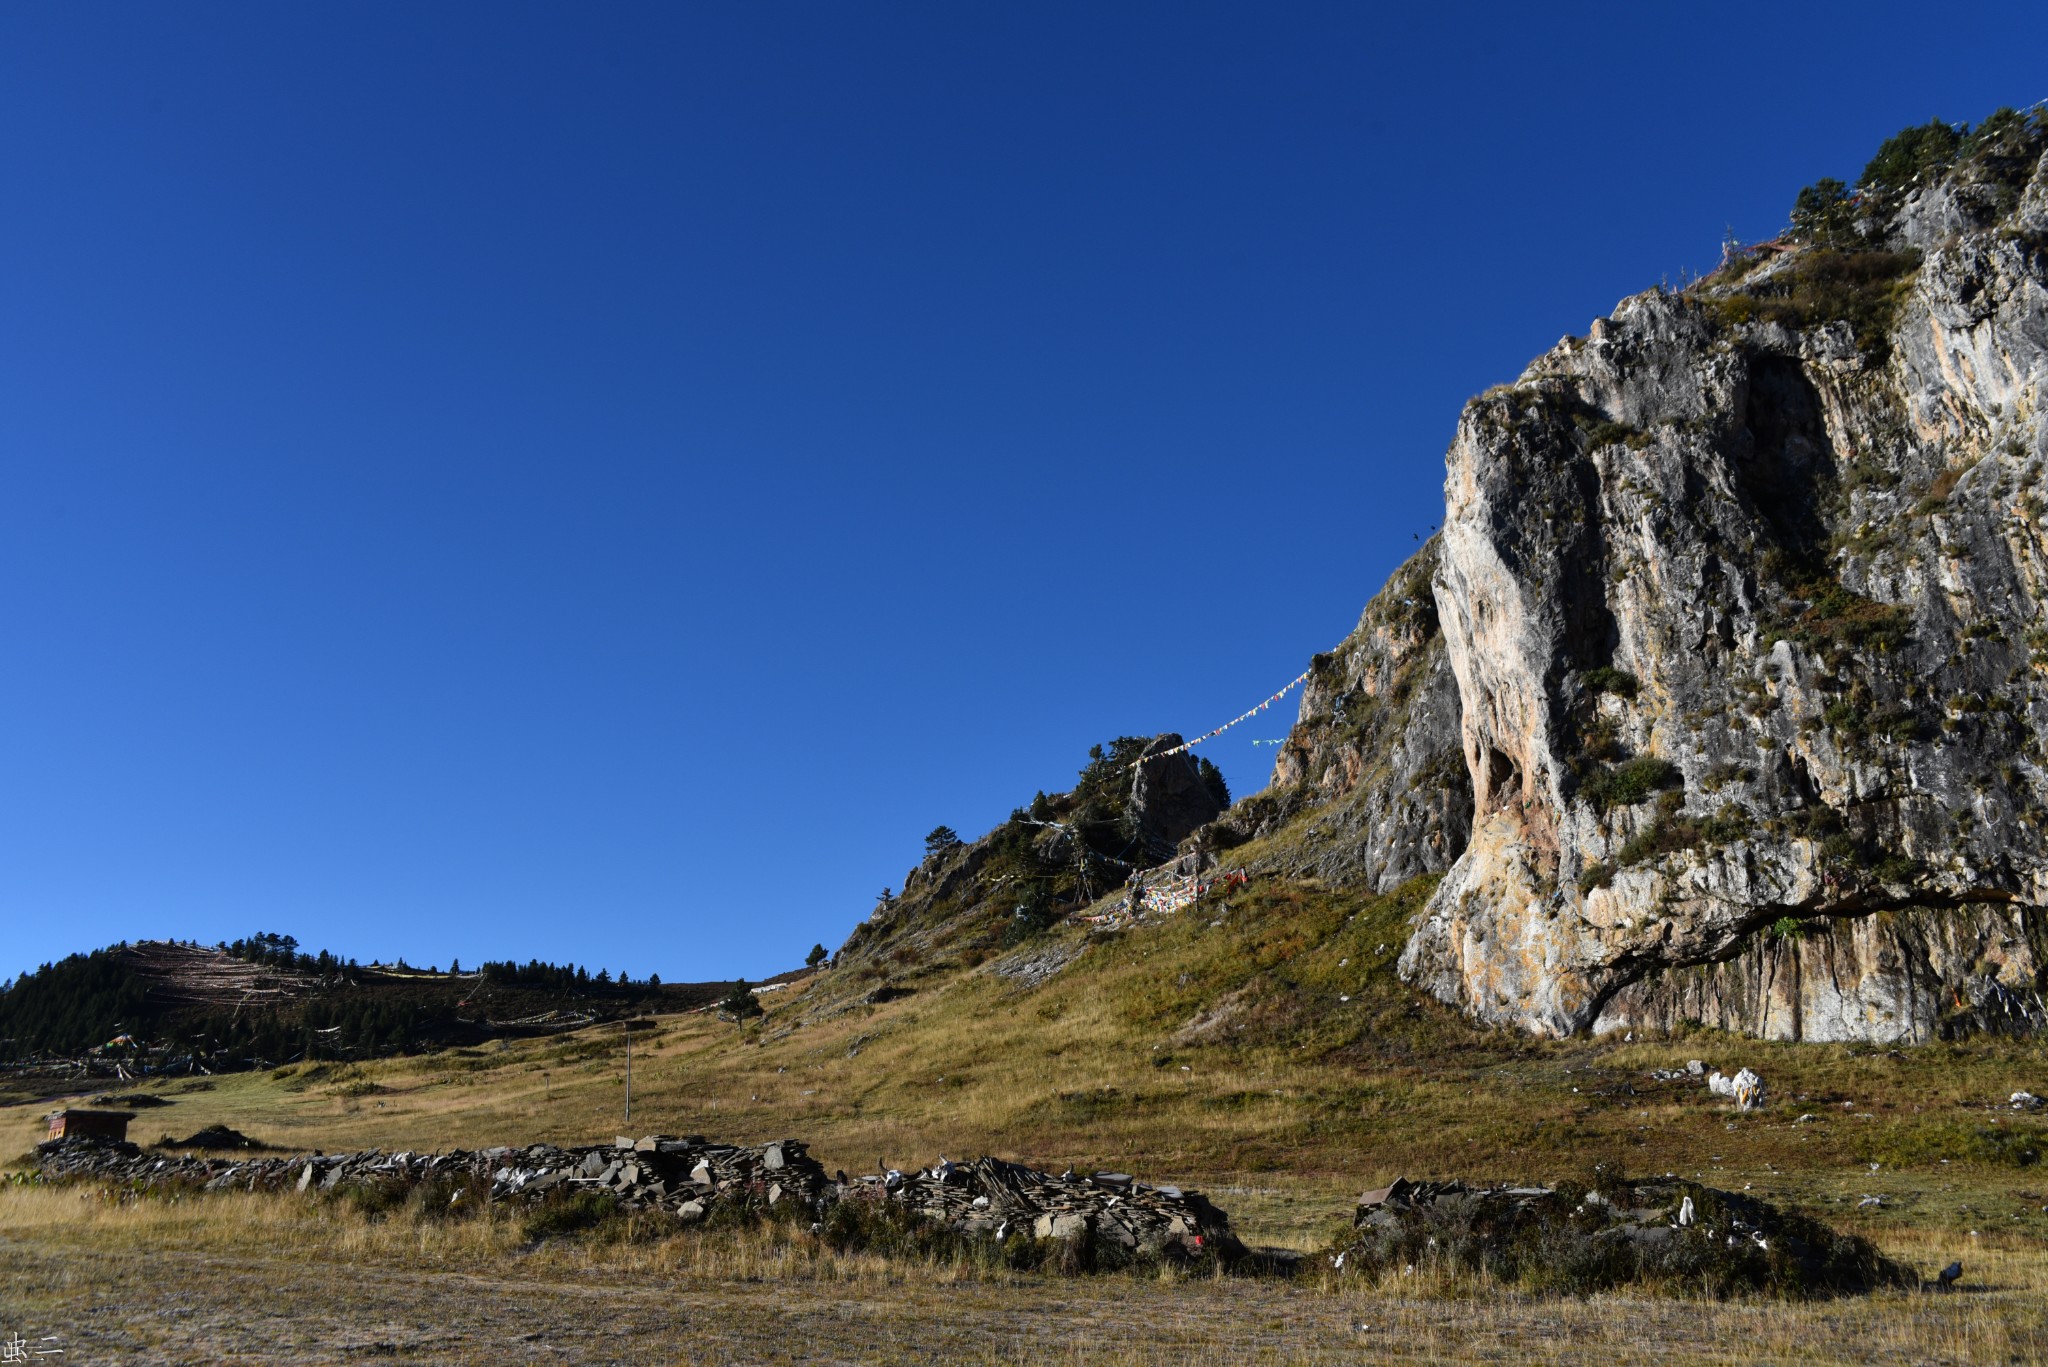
[{"x": 601, "y": 482}]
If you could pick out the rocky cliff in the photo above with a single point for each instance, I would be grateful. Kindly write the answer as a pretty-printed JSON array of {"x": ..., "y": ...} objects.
[
  {"x": 1735, "y": 630},
  {"x": 1133, "y": 803},
  {"x": 1370, "y": 787}
]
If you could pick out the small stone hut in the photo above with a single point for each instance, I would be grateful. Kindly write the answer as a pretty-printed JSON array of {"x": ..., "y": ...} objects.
[{"x": 72, "y": 1124}]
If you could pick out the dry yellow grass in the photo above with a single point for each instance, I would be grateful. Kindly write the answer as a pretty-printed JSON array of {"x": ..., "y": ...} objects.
[
  {"x": 249, "y": 1278},
  {"x": 1313, "y": 1099}
]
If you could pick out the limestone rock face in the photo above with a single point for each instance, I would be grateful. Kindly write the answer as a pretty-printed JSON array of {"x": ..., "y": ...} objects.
[{"x": 1744, "y": 618}]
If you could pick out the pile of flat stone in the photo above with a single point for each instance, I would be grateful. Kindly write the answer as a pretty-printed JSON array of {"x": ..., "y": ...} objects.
[
  {"x": 90, "y": 1158},
  {"x": 688, "y": 1176},
  {"x": 1657, "y": 1225},
  {"x": 685, "y": 1176},
  {"x": 999, "y": 1199},
  {"x": 1635, "y": 1211}
]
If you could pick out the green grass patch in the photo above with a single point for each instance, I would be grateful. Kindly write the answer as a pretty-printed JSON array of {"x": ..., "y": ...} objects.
[{"x": 2016, "y": 1143}]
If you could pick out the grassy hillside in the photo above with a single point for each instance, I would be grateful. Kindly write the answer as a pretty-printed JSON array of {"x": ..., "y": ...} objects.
[
  {"x": 163, "y": 1007},
  {"x": 1259, "y": 1043}
]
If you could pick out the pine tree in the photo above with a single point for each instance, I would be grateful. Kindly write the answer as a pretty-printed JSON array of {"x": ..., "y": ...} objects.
[{"x": 740, "y": 1003}]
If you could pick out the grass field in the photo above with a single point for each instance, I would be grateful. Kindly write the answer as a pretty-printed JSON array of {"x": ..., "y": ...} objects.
[
  {"x": 1259, "y": 1047},
  {"x": 252, "y": 1279}
]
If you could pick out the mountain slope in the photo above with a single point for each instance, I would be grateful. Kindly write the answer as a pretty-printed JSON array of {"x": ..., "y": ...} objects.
[
  {"x": 160, "y": 1006},
  {"x": 1720, "y": 697}
]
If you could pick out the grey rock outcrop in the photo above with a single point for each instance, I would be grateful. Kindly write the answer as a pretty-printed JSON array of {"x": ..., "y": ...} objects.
[
  {"x": 1372, "y": 775},
  {"x": 1745, "y": 611},
  {"x": 1169, "y": 799}
]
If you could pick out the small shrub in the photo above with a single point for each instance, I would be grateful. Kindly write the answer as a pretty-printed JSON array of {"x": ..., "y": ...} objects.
[
  {"x": 1664, "y": 837},
  {"x": 1595, "y": 875},
  {"x": 1601, "y": 741},
  {"x": 1721, "y": 775},
  {"x": 1838, "y": 616},
  {"x": 1726, "y": 826},
  {"x": 374, "y": 1199},
  {"x": 1940, "y": 488},
  {"x": 570, "y": 1214},
  {"x": 1607, "y": 679},
  {"x": 1599, "y": 434}
]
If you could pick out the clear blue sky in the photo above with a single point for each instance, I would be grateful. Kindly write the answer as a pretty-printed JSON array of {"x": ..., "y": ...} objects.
[{"x": 600, "y": 482}]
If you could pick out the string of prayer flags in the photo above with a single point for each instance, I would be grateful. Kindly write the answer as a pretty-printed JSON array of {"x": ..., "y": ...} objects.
[
  {"x": 1163, "y": 891},
  {"x": 1210, "y": 735}
]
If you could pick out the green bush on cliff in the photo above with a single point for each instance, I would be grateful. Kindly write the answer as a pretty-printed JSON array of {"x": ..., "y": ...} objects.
[
  {"x": 1825, "y": 285},
  {"x": 1630, "y": 782},
  {"x": 1607, "y": 679}
]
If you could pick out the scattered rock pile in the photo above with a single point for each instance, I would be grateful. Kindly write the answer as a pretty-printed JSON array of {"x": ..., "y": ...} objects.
[
  {"x": 1745, "y": 1089},
  {"x": 1564, "y": 1238},
  {"x": 993, "y": 1197},
  {"x": 213, "y": 1137}
]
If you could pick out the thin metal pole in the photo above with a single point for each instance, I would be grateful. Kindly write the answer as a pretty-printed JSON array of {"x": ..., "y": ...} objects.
[{"x": 629, "y": 1072}]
